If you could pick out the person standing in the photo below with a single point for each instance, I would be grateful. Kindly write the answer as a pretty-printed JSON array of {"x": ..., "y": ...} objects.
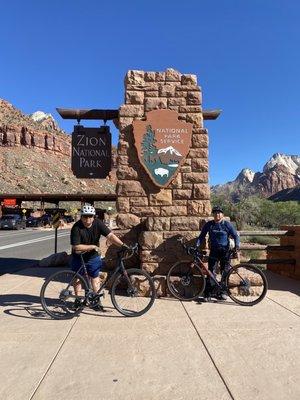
[
  {"x": 85, "y": 237},
  {"x": 219, "y": 232}
]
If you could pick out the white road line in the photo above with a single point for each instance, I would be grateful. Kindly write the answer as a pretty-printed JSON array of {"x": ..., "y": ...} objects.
[
  {"x": 9, "y": 246},
  {"x": 28, "y": 230},
  {"x": 9, "y": 235}
]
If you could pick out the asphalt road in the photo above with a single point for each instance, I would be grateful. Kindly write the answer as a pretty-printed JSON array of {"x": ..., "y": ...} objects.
[{"x": 24, "y": 248}]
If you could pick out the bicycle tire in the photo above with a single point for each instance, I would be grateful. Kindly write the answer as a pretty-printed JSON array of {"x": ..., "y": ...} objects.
[
  {"x": 60, "y": 304},
  {"x": 128, "y": 292},
  {"x": 186, "y": 281},
  {"x": 246, "y": 285}
]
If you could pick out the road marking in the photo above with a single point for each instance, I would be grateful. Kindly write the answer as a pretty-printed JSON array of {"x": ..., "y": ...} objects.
[
  {"x": 9, "y": 246},
  {"x": 27, "y": 230},
  {"x": 10, "y": 234}
]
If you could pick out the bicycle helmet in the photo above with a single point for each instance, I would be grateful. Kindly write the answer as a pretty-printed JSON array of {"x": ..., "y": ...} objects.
[
  {"x": 217, "y": 209},
  {"x": 88, "y": 209}
]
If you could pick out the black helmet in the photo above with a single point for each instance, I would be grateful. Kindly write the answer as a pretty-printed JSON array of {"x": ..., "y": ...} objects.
[{"x": 217, "y": 209}]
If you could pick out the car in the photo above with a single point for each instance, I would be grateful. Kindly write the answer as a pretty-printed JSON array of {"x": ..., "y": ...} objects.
[
  {"x": 45, "y": 220},
  {"x": 68, "y": 219},
  {"x": 12, "y": 221},
  {"x": 33, "y": 222}
]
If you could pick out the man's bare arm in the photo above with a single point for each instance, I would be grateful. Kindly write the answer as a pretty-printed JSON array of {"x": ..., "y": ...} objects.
[
  {"x": 84, "y": 247},
  {"x": 112, "y": 238}
]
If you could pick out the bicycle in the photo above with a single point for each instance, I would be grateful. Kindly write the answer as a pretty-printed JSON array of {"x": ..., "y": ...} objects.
[
  {"x": 127, "y": 289},
  {"x": 244, "y": 284}
]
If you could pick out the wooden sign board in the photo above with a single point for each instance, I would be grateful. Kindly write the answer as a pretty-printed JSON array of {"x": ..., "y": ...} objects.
[{"x": 91, "y": 152}]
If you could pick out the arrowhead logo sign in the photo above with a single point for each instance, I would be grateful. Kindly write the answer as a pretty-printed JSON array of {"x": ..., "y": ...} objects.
[{"x": 162, "y": 143}]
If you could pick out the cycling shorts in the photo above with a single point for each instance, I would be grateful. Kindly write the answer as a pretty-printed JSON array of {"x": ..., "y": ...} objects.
[{"x": 93, "y": 265}]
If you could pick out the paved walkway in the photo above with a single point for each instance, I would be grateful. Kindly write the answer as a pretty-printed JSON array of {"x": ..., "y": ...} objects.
[{"x": 176, "y": 351}]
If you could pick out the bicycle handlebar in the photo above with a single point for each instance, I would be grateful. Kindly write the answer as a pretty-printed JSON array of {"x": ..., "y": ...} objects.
[
  {"x": 197, "y": 253},
  {"x": 191, "y": 250},
  {"x": 129, "y": 251}
]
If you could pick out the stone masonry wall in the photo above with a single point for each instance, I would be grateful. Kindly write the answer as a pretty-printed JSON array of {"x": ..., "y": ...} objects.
[
  {"x": 156, "y": 215},
  {"x": 292, "y": 240}
]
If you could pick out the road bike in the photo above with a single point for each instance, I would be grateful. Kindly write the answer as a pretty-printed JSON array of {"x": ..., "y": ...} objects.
[
  {"x": 132, "y": 290},
  {"x": 244, "y": 284}
]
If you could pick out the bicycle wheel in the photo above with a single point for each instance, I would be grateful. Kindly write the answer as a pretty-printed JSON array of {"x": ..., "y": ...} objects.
[
  {"x": 185, "y": 281},
  {"x": 246, "y": 285},
  {"x": 58, "y": 297},
  {"x": 133, "y": 293}
]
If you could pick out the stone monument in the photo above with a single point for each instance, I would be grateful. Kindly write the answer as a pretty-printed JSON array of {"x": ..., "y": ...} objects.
[{"x": 162, "y": 171}]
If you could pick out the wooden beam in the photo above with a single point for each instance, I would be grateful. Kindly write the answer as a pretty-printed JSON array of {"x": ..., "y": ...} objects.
[
  {"x": 78, "y": 114},
  {"x": 211, "y": 114},
  {"x": 262, "y": 233},
  {"x": 276, "y": 247},
  {"x": 275, "y": 261}
]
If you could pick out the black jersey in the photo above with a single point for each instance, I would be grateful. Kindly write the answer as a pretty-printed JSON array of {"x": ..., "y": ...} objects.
[{"x": 82, "y": 235}]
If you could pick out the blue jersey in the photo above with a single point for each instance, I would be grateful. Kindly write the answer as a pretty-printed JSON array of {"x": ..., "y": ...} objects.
[{"x": 219, "y": 234}]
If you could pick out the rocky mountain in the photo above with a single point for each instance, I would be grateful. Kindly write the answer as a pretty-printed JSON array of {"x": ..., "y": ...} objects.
[
  {"x": 280, "y": 172},
  {"x": 46, "y": 120},
  {"x": 35, "y": 156},
  {"x": 287, "y": 195}
]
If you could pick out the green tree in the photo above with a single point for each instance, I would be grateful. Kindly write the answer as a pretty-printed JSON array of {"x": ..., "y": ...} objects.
[
  {"x": 148, "y": 145},
  {"x": 259, "y": 212}
]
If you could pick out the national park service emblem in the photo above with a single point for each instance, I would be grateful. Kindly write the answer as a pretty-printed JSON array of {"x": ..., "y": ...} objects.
[{"x": 162, "y": 143}]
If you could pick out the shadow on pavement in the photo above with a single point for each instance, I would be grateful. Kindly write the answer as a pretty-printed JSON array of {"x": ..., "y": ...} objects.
[
  {"x": 24, "y": 306},
  {"x": 15, "y": 265},
  {"x": 282, "y": 283},
  {"x": 28, "y": 267},
  {"x": 28, "y": 306}
]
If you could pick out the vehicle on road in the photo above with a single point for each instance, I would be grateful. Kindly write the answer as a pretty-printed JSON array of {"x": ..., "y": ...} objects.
[
  {"x": 12, "y": 221},
  {"x": 245, "y": 284},
  {"x": 68, "y": 219},
  {"x": 132, "y": 290},
  {"x": 45, "y": 219},
  {"x": 33, "y": 222}
]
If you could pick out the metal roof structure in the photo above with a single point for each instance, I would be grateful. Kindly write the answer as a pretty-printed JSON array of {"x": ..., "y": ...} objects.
[{"x": 57, "y": 197}]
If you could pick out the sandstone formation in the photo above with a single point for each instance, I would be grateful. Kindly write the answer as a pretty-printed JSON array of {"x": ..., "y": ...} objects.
[
  {"x": 17, "y": 129},
  {"x": 292, "y": 194},
  {"x": 35, "y": 156},
  {"x": 280, "y": 172}
]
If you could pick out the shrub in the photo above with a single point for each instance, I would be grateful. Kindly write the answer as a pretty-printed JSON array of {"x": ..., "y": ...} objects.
[{"x": 258, "y": 212}]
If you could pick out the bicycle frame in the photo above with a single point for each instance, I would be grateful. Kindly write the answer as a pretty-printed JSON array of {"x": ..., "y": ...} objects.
[
  {"x": 202, "y": 266},
  {"x": 119, "y": 268},
  {"x": 198, "y": 262}
]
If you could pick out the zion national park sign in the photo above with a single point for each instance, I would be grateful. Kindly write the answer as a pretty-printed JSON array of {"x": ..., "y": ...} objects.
[{"x": 162, "y": 143}]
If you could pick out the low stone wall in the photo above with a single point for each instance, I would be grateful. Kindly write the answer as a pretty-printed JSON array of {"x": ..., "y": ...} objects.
[{"x": 292, "y": 253}]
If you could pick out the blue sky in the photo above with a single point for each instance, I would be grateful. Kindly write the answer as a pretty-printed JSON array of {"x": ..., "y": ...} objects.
[{"x": 75, "y": 54}]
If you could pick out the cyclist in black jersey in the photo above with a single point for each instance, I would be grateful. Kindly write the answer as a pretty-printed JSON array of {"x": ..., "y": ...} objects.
[{"x": 85, "y": 237}]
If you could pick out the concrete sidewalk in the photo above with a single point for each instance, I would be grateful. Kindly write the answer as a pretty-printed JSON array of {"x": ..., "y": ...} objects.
[{"x": 176, "y": 351}]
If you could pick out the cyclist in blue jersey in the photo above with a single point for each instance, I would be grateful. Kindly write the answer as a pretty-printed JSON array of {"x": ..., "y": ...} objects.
[{"x": 219, "y": 232}]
